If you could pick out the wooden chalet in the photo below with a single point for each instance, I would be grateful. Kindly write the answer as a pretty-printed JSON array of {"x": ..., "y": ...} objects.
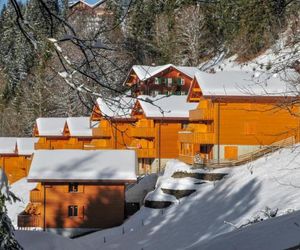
[
  {"x": 93, "y": 8},
  {"x": 114, "y": 121},
  {"x": 79, "y": 191},
  {"x": 64, "y": 133},
  {"x": 238, "y": 115},
  {"x": 155, "y": 80},
  {"x": 155, "y": 133},
  {"x": 15, "y": 156}
]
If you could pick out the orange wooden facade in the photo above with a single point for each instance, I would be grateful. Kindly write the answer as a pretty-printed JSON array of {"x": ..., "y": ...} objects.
[
  {"x": 226, "y": 128},
  {"x": 15, "y": 166},
  {"x": 169, "y": 81},
  {"x": 98, "y": 206}
]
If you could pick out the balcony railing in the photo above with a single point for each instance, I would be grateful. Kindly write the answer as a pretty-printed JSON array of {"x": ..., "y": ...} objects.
[
  {"x": 46, "y": 145},
  {"x": 201, "y": 114},
  {"x": 36, "y": 196},
  {"x": 146, "y": 152},
  {"x": 102, "y": 132},
  {"x": 188, "y": 159},
  {"x": 143, "y": 132},
  {"x": 196, "y": 137},
  {"x": 28, "y": 220}
]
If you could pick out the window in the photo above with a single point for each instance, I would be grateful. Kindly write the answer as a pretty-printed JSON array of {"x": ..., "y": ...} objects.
[
  {"x": 72, "y": 211},
  {"x": 156, "y": 80},
  {"x": 73, "y": 187},
  {"x": 183, "y": 93},
  {"x": 169, "y": 82},
  {"x": 181, "y": 81}
]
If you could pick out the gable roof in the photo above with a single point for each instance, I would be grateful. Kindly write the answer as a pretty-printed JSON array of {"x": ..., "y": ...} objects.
[
  {"x": 89, "y": 3},
  {"x": 118, "y": 107},
  {"x": 17, "y": 145},
  {"x": 239, "y": 83},
  {"x": 81, "y": 126},
  {"x": 145, "y": 72},
  {"x": 25, "y": 146},
  {"x": 8, "y": 145},
  {"x": 162, "y": 106},
  {"x": 50, "y": 126},
  {"x": 83, "y": 166}
]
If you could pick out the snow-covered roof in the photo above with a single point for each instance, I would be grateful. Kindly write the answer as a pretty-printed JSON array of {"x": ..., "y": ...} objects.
[
  {"x": 25, "y": 146},
  {"x": 81, "y": 126},
  {"x": 83, "y": 165},
  {"x": 241, "y": 83},
  {"x": 8, "y": 145},
  {"x": 118, "y": 107},
  {"x": 144, "y": 72},
  {"x": 90, "y": 3},
  {"x": 50, "y": 126},
  {"x": 174, "y": 106}
]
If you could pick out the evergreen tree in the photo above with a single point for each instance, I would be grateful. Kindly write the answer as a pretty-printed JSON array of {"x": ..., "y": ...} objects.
[{"x": 7, "y": 238}]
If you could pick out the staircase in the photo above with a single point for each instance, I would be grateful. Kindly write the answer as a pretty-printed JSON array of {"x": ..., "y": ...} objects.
[{"x": 245, "y": 158}]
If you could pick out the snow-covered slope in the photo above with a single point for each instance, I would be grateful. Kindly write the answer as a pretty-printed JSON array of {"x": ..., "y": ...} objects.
[
  {"x": 35, "y": 240},
  {"x": 276, "y": 233},
  {"x": 21, "y": 189},
  {"x": 270, "y": 181}
]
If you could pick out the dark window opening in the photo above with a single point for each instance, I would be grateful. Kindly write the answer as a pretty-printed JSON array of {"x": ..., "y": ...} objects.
[
  {"x": 73, "y": 187},
  {"x": 72, "y": 211}
]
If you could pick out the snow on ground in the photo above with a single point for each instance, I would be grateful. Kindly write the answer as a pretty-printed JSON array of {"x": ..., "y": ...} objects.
[
  {"x": 138, "y": 191},
  {"x": 21, "y": 189},
  {"x": 37, "y": 240},
  {"x": 277, "y": 233},
  {"x": 270, "y": 181}
]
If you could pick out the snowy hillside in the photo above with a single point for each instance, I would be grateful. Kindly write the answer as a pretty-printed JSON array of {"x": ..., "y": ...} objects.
[
  {"x": 197, "y": 221},
  {"x": 271, "y": 181}
]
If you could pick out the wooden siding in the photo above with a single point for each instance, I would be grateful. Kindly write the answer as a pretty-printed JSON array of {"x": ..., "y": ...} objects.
[
  {"x": 16, "y": 167},
  {"x": 99, "y": 206},
  {"x": 167, "y": 134},
  {"x": 253, "y": 123},
  {"x": 148, "y": 87}
]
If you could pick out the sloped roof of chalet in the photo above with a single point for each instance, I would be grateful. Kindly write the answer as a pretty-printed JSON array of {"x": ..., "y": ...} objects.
[
  {"x": 145, "y": 72},
  {"x": 118, "y": 107},
  {"x": 162, "y": 106},
  {"x": 90, "y": 3},
  {"x": 50, "y": 126},
  {"x": 81, "y": 126},
  {"x": 83, "y": 165},
  {"x": 8, "y": 145},
  {"x": 239, "y": 83},
  {"x": 25, "y": 146}
]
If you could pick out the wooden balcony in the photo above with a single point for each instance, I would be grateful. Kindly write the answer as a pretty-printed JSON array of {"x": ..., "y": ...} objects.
[
  {"x": 144, "y": 152},
  {"x": 46, "y": 145},
  {"x": 142, "y": 132},
  {"x": 201, "y": 114},
  {"x": 196, "y": 137},
  {"x": 102, "y": 132},
  {"x": 188, "y": 159},
  {"x": 36, "y": 196},
  {"x": 78, "y": 145},
  {"x": 28, "y": 220}
]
